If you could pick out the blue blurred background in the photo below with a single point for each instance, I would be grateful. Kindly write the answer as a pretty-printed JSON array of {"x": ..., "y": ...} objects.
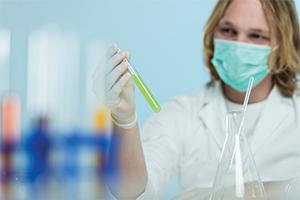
[{"x": 49, "y": 50}]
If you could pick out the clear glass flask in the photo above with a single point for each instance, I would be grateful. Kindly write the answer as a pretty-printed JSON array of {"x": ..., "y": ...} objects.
[{"x": 237, "y": 176}]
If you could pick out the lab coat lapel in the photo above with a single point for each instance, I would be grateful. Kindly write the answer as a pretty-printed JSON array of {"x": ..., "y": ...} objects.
[
  {"x": 272, "y": 116},
  {"x": 213, "y": 112}
]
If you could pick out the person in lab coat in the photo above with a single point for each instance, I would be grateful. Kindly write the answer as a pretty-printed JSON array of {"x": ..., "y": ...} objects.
[{"x": 242, "y": 39}]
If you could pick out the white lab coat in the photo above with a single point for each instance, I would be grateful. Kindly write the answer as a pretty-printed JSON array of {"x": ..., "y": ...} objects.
[{"x": 186, "y": 138}]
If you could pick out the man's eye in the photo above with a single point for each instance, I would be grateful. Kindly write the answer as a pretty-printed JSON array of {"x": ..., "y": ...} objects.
[
  {"x": 228, "y": 31},
  {"x": 258, "y": 37}
]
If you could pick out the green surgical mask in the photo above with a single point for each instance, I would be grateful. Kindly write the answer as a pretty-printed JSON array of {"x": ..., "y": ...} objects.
[{"x": 236, "y": 62}]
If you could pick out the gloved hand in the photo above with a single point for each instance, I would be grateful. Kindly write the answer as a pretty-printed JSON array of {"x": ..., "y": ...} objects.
[{"x": 119, "y": 88}]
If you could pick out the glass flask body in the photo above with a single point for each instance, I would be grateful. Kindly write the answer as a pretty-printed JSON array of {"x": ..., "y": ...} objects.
[{"x": 237, "y": 177}]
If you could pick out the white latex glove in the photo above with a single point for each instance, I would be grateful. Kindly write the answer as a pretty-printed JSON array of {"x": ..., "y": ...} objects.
[{"x": 119, "y": 88}]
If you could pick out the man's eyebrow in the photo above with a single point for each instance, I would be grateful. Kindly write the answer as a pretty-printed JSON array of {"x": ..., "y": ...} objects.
[
  {"x": 227, "y": 23},
  {"x": 257, "y": 30}
]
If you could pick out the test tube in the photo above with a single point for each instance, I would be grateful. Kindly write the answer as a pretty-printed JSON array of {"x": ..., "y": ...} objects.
[{"x": 143, "y": 88}]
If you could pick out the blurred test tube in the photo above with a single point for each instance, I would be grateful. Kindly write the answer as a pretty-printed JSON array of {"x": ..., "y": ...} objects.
[{"x": 10, "y": 129}]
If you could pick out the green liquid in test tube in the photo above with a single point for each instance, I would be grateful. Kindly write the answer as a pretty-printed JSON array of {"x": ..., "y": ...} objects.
[{"x": 143, "y": 88}]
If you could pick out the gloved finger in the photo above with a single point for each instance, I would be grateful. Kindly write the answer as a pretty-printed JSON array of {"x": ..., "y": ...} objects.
[
  {"x": 111, "y": 51},
  {"x": 112, "y": 96},
  {"x": 116, "y": 74},
  {"x": 118, "y": 87},
  {"x": 117, "y": 59}
]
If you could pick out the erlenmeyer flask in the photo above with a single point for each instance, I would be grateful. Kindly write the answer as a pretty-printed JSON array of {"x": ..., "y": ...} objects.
[{"x": 237, "y": 176}]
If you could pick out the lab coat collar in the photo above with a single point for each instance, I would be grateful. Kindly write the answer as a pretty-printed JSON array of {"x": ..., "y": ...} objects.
[{"x": 213, "y": 111}]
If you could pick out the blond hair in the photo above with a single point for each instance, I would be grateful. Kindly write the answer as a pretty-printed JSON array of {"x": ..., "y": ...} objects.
[{"x": 284, "y": 62}]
